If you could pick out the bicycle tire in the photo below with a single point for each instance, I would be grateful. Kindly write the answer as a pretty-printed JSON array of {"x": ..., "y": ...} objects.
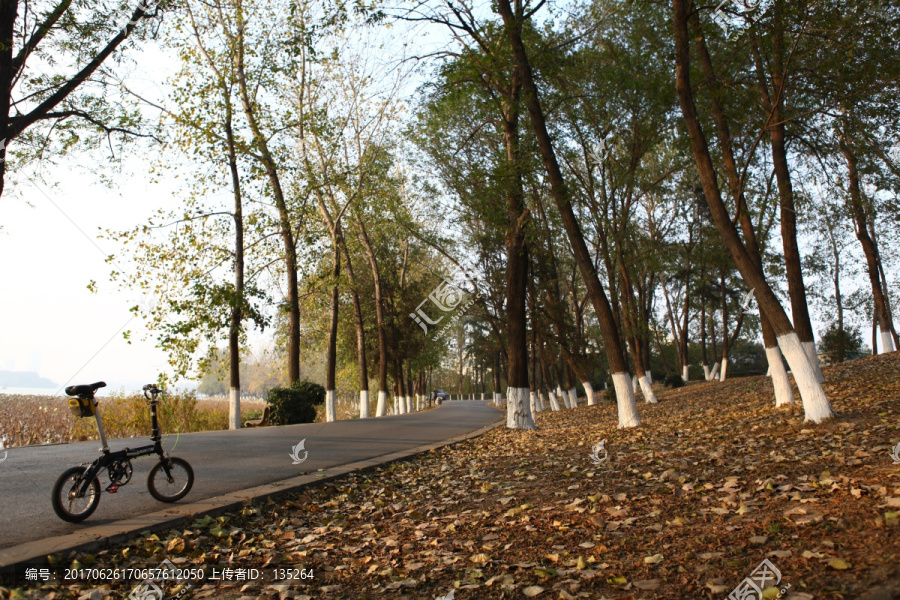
[
  {"x": 62, "y": 499},
  {"x": 164, "y": 495}
]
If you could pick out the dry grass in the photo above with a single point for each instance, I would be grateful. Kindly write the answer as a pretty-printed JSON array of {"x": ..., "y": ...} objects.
[{"x": 29, "y": 420}]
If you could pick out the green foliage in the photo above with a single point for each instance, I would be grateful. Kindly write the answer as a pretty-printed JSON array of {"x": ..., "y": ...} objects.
[
  {"x": 295, "y": 404},
  {"x": 840, "y": 344},
  {"x": 311, "y": 393}
]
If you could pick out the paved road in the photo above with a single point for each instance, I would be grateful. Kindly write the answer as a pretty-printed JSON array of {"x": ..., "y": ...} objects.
[{"x": 223, "y": 461}]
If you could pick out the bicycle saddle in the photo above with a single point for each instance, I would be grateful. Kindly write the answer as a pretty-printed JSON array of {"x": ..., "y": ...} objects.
[{"x": 84, "y": 390}]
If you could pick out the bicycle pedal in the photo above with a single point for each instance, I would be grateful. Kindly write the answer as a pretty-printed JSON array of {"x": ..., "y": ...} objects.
[{"x": 113, "y": 488}]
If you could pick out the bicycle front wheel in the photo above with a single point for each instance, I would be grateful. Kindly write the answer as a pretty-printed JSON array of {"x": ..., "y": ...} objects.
[
  {"x": 172, "y": 486},
  {"x": 67, "y": 504}
]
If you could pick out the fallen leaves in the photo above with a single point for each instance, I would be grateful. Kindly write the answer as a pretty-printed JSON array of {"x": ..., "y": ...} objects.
[{"x": 731, "y": 481}]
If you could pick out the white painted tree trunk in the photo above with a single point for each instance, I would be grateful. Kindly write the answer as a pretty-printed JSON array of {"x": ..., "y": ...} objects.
[
  {"x": 706, "y": 372},
  {"x": 380, "y": 409},
  {"x": 815, "y": 402},
  {"x": 635, "y": 385},
  {"x": 715, "y": 372},
  {"x": 573, "y": 398},
  {"x": 518, "y": 411},
  {"x": 234, "y": 408},
  {"x": 813, "y": 356},
  {"x": 482, "y": 395},
  {"x": 330, "y": 408},
  {"x": 398, "y": 405},
  {"x": 554, "y": 405},
  {"x": 784, "y": 394},
  {"x": 647, "y": 388},
  {"x": 409, "y": 404},
  {"x": 685, "y": 374},
  {"x": 364, "y": 404},
  {"x": 542, "y": 406},
  {"x": 589, "y": 391},
  {"x": 628, "y": 414},
  {"x": 561, "y": 397},
  {"x": 724, "y": 374},
  {"x": 887, "y": 342}
]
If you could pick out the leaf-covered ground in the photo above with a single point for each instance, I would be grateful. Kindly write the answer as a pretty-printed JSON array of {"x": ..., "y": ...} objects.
[{"x": 686, "y": 506}]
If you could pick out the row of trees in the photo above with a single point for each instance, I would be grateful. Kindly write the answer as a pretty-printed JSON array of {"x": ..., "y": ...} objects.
[{"x": 616, "y": 188}]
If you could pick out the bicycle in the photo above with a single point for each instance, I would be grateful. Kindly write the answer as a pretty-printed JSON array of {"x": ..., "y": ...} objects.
[{"x": 76, "y": 492}]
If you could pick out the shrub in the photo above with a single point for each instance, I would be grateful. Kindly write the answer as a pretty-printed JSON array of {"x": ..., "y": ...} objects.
[
  {"x": 839, "y": 344},
  {"x": 312, "y": 393},
  {"x": 674, "y": 381},
  {"x": 289, "y": 406}
]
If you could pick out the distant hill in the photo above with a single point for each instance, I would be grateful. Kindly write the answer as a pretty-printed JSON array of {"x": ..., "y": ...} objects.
[{"x": 24, "y": 379}]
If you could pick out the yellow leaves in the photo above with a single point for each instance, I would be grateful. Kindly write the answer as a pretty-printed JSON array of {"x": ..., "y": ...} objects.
[
  {"x": 617, "y": 580},
  {"x": 546, "y": 573},
  {"x": 839, "y": 563},
  {"x": 218, "y": 532},
  {"x": 486, "y": 487},
  {"x": 653, "y": 560},
  {"x": 480, "y": 559},
  {"x": 532, "y": 591},
  {"x": 176, "y": 545}
]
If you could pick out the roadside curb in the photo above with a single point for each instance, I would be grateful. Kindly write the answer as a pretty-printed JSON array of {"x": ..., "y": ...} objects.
[{"x": 96, "y": 537}]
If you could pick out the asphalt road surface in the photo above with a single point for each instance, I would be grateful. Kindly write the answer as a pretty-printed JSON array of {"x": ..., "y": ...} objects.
[{"x": 223, "y": 461}]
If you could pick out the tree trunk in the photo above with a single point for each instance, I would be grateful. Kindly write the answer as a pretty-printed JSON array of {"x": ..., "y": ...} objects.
[
  {"x": 362, "y": 367},
  {"x": 518, "y": 409},
  {"x": 331, "y": 354},
  {"x": 628, "y": 415},
  {"x": 815, "y": 402},
  {"x": 860, "y": 219},
  {"x": 234, "y": 333},
  {"x": 9, "y": 11},
  {"x": 290, "y": 247},
  {"x": 379, "y": 319},
  {"x": 777, "y": 135}
]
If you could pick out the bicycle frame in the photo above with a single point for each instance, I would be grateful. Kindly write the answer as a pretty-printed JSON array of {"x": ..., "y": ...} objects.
[{"x": 107, "y": 459}]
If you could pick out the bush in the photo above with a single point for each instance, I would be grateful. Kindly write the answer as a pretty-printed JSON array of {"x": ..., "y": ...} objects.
[
  {"x": 839, "y": 345},
  {"x": 674, "y": 381},
  {"x": 290, "y": 406},
  {"x": 312, "y": 393}
]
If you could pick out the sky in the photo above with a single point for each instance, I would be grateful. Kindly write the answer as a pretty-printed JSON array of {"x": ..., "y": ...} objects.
[{"x": 51, "y": 323}]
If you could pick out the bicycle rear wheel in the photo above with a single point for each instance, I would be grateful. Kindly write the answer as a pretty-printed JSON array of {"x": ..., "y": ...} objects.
[
  {"x": 67, "y": 504},
  {"x": 170, "y": 489}
]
